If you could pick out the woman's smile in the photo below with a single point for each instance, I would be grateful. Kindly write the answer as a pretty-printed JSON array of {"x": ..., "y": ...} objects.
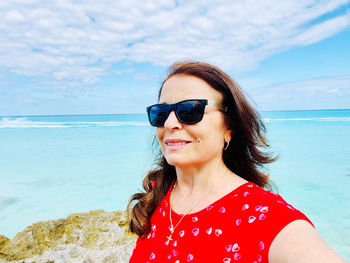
[{"x": 174, "y": 144}]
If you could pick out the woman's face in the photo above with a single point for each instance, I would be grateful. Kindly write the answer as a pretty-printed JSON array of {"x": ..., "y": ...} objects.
[{"x": 196, "y": 144}]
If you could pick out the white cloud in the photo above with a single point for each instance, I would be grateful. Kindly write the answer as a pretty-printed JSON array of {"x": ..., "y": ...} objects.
[
  {"x": 318, "y": 93},
  {"x": 323, "y": 30},
  {"x": 78, "y": 41},
  {"x": 333, "y": 91},
  {"x": 13, "y": 16}
]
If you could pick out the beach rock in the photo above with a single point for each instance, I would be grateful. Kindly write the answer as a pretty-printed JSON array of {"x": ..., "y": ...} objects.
[
  {"x": 97, "y": 236},
  {"x": 3, "y": 241}
]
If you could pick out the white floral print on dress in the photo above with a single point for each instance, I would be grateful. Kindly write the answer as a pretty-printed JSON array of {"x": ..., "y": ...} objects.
[
  {"x": 182, "y": 233},
  {"x": 222, "y": 210},
  {"x": 218, "y": 232},
  {"x": 195, "y": 231},
  {"x": 209, "y": 230},
  {"x": 261, "y": 246},
  {"x": 238, "y": 221},
  {"x": 189, "y": 257}
]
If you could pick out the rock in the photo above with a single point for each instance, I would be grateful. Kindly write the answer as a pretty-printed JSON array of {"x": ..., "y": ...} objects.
[
  {"x": 97, "y": 236},
  {"x": 3, "y": 241}
]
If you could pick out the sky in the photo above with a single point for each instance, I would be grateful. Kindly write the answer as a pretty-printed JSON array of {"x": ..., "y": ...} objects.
[{"x": 106, "y": 57}]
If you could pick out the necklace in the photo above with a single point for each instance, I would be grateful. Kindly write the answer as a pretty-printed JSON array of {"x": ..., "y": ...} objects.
[{"x": 172, "y": 228}]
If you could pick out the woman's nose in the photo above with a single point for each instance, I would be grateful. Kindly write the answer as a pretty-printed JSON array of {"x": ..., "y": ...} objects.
[{"x": 172, "y": 122}]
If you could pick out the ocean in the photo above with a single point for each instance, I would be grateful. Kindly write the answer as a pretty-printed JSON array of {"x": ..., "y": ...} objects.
[{"x": 53, "y": 166}]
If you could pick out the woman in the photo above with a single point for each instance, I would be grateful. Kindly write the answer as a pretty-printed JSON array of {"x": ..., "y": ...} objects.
[{"x": 205, "y": 201}]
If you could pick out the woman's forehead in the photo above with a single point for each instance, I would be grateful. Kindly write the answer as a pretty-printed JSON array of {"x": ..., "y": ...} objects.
[{"x": 181, "y": 87}]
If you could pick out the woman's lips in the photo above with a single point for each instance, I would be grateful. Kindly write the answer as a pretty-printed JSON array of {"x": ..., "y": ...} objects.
[{"x": 175, "y": 143}]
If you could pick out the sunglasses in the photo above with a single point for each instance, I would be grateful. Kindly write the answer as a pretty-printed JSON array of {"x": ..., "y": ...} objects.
[{"x": 186, "y": 111}]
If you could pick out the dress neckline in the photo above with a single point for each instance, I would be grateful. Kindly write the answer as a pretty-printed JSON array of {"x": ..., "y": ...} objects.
[{"x": 235, "y": 191}]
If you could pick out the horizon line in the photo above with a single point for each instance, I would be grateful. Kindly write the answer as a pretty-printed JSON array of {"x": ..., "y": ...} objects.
[{"x": 98, "y": 114}]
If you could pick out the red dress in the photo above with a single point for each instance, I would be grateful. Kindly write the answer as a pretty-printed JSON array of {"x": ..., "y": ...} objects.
[{"x": 239, "y": 227}]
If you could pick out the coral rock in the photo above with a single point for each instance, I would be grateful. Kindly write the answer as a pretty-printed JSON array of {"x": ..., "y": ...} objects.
[
  {"x": 3, "y": 241},
  {"x": 97, "y": 236}
]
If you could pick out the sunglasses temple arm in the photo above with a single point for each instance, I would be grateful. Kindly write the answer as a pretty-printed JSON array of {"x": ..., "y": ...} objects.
[{"x": 218, "y": 105}]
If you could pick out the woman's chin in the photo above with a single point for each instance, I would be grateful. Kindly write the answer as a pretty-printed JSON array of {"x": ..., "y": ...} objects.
[{"x": 177, "y": 162}]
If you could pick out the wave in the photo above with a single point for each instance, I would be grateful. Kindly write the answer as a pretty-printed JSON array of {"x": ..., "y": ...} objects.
[
  {"x": 22, "y": 122},
  {"x": 345, "y": 119},
  {"x": 7, "y": 201},
  {"x": 25, "y": 123}
]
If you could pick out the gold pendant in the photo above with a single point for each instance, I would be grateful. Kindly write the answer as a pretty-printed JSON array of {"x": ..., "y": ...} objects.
[
  {"x": 169, "y": 238},
  {"x": 171, "y": 228}
]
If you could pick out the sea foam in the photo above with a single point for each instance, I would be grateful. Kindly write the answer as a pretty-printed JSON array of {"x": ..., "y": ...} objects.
[{"x": 22, "y": 122}]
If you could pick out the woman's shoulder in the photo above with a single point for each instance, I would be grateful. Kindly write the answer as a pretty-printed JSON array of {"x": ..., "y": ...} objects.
[
  {"x": 255, "y": 194},
  {"x": 262, "y": 212},
  {"x": 265, "y": 203}
]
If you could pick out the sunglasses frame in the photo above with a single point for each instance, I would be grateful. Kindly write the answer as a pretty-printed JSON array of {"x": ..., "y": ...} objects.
[{"x": 174, "y": 107}]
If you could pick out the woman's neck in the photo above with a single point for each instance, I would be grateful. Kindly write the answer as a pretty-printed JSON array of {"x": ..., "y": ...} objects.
[
  {"x": 212, "y": 181},
  {"x": 199, "y": 179}
]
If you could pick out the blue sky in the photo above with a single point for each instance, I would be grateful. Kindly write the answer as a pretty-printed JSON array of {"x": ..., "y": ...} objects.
[{"x": 96, "y": 57}]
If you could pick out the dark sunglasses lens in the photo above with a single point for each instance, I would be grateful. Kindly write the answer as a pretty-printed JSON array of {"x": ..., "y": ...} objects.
[
  {"x": 190, "y": 112},
  {"x": 158, "y": 115}
]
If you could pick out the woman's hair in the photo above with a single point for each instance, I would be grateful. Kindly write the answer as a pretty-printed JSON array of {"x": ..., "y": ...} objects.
[{"x": 244, "y": 156}]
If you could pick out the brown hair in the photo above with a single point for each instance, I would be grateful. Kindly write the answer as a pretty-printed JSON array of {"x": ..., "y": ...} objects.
[{"x": 243, "y": 157}]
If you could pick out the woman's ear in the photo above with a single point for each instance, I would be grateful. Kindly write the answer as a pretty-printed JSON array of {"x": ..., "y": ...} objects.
[{"x": 228, "y": 135}]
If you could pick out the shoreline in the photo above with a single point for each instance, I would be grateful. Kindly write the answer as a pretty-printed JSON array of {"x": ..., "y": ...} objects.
[{"x": 96, "y": 236}]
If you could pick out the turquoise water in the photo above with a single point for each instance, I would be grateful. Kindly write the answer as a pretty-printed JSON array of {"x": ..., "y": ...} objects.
[{"x": 52, "y": 166}]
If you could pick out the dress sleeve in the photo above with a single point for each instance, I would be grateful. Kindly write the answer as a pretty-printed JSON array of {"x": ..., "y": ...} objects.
[{"x": 273, "y": 213}]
